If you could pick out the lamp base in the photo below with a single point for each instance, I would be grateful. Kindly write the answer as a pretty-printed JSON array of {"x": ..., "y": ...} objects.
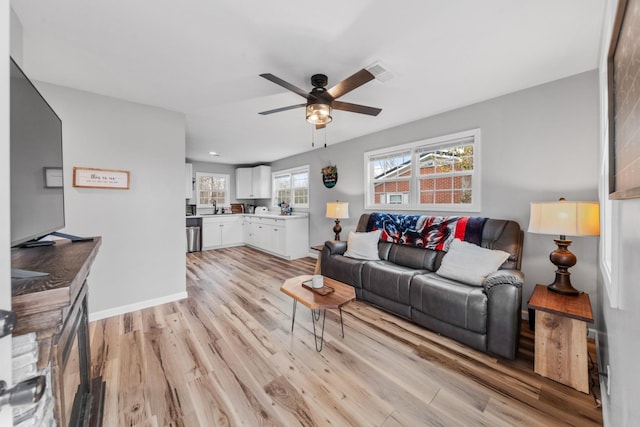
[
  {"x": 564, "y": 290},
  {"x": 337, "y": 229},
  {"x": 564, "y": 259}
]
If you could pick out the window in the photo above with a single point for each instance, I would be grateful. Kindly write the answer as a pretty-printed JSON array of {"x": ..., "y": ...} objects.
[
  {"x": 291, "y": 186},
  {"x": 212, "y": 187},
  {"x": 434, "y": 174}
]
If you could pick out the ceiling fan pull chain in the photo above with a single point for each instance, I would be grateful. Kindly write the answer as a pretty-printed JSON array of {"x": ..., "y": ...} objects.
[{"x": 313, "y": 136}]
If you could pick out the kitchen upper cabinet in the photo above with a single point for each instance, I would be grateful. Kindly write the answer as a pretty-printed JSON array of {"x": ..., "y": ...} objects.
[
  {"x": 253, "y": 183},
  {"x": 188, "y": 180},
  {"x": 244, "y": 183},
  {"x": 261, "y": 182}
]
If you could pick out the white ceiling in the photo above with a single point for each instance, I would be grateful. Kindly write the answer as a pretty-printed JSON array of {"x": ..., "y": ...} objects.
[{"x": 204, "y": 57}]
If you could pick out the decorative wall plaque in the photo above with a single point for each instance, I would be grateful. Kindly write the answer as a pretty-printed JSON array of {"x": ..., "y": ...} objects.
[
  {"x": 100, "y": 178},
  {"x": 330, "y": 176}
]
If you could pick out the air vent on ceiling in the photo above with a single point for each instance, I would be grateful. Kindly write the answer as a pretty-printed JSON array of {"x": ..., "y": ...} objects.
[{"x": 380, "y": 72}]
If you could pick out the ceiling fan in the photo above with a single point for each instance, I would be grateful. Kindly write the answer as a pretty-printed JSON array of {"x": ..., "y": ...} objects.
[{"x": 321, "y": 101}]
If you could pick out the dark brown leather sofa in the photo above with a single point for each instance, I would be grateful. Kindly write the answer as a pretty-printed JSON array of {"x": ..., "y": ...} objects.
[{"x": 404, "y": 282}]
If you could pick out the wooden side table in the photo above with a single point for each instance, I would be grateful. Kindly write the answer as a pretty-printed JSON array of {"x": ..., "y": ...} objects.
[
  {"x": 341, "y": 295},
  {"x": 561, "y": 337}
]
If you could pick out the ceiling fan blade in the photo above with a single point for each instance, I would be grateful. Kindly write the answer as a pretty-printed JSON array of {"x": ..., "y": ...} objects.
[
  {"x": 355, "y": 108},
  {"x": 277, "y": 110},
  {"x": 286, "y": 85},
  {"x": 350, "y": 83}
]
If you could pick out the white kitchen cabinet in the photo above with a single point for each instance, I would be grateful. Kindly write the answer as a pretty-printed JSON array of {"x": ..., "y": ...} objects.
[
  {"x": 278, "y": 239},
  {"x": 231, "y": 233},
  {"x": 287, "y": 236},
  {"x": 244, "y": 183},
  {"x": 221, "y": 231},
  {"x": 261, "y": 182},
  {"x": 249, "y": 227},
  {"x": 253, "y": 183},
  {"x": 188, "y": 180}
]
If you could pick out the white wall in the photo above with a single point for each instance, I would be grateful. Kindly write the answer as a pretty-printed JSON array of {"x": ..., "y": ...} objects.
[
  {"x": 6, "y": 418},
  {"x": 538, "y": 144},
  {"x": 16, "y": 38},
  {"x": 619, "y": 320},
  {"x": 141, "y": 261}
]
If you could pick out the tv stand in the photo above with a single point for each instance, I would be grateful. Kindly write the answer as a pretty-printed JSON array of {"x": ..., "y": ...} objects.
[
  {"x": 71, "y": 237},
  {"x": 55, "y": 308},
  {"x": 37, "y": 243}
]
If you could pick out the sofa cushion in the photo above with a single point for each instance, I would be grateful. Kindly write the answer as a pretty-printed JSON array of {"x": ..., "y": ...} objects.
[
  {"x": 387, "y": 285},
  {"x": 450, "y": 301},
  {"x": 363, "y": 245},
  {"x": 416, "y": 258},
  {"x": 388, "y": 280},
  {"x": 469, "y": 263}
]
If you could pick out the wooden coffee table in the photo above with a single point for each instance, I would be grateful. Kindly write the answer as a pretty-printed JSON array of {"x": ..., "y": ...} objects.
[{"x": 318, "y": 304}]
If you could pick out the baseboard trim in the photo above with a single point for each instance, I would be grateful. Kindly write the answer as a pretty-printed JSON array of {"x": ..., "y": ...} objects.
[{"x": 103, "y": 314}]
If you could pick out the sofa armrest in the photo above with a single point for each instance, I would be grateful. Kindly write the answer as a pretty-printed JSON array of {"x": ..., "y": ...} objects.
[
  {"x": 503, "y": 277},
  {"x": 504, "y": 294},
  {"x": 335, "y": 247}
]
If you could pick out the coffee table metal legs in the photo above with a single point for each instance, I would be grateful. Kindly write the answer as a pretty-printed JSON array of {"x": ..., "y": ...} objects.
[
  {"x": 315, "y": 317},
  {"x": 293, "y": 318}
]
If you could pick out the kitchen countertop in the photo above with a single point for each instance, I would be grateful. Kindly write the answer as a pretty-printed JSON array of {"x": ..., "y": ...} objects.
[{"x": 264, "y": 215}]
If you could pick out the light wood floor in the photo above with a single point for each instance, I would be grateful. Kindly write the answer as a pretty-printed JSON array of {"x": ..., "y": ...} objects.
[{"x": 225, "y": 356}]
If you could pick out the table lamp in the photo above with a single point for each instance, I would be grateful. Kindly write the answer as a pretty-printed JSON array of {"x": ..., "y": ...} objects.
[
  {"x": 564, "y": 219},
  {"x": 337, "y": 210}
]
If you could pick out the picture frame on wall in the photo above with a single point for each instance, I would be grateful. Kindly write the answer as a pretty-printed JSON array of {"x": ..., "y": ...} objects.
[
  {"x": 624, "y": 102},
  {"x": 100, "y": 178}
]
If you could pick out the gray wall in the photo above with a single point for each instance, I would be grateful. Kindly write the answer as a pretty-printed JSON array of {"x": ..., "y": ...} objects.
[
  {"x": 142, "y": 258},
  {"x": 537, "y": 144}
]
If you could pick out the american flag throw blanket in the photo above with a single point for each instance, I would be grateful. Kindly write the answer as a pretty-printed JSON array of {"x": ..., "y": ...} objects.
[{"x": 431, "y": 232}]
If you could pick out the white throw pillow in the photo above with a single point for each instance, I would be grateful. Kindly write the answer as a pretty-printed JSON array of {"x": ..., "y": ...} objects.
[
  {"x": 469, "y": 263},
  {"x": 363, "y": 245}
]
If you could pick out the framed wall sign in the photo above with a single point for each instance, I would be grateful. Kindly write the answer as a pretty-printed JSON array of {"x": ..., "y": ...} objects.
[
  {"x": 100, "y": 178},
  {"x": 624, "y": 103}
]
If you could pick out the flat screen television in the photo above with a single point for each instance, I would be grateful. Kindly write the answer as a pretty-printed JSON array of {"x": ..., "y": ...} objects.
[{"x": 37, "y": 194}]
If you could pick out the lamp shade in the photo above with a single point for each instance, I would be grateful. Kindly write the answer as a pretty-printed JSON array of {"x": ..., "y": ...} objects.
[
  {"x": 337, "y": 210},
  {"x": 565, "y": 218}
]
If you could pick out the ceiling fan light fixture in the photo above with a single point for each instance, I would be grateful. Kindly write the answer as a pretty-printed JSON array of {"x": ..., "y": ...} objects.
[{"x": 318, "y": 113}]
